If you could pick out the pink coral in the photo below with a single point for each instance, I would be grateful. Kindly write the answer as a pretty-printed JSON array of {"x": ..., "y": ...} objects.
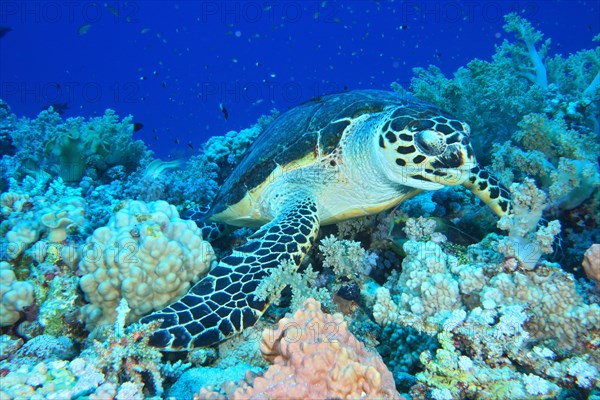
[
  {"x": 591, "y": 263},
  {"x": 313, "y": 356}
]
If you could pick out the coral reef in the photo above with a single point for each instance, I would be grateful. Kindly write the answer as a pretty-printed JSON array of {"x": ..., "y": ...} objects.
[
  {"x": 526, "y": 242},
  {"x": 313, "y": 355},
  {"x": 457, "y": 306},
  {"x": 121, "y": 366},
  {"x": 73, "y": 148},
  {"x": 562, "y": 160},
  {"x": 146, "y": 255},
  {"x": 591, "y": 263},
  {"x": 302, "y": 285},
  {"x": 15, "y": 295},
  {"x": 485, "y": 317}
]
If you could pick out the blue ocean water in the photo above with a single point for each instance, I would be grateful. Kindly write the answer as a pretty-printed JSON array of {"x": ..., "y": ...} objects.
[
  {"x": 172, "y": 63},
  {"x": 452, "y": 299}
]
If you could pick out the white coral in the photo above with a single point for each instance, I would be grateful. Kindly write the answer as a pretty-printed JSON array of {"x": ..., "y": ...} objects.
[
  {"x": 523, "y": 242},
  {"x": 537, "y": 386},
  {"x": 426, "y": 283},
  {"x": 584, "y": 373},
  {"x": 553, "y": 300},
  {"x": 346, "y": 257},
  {"x": 14, "y": 295},
  {"x": 146, "y": 255}
]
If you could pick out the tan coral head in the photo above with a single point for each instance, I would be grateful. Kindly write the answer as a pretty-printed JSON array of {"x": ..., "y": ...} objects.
[{"x": 591, "y": 263}]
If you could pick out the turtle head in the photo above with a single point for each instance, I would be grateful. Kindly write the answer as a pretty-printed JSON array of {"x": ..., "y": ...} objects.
[{"x": 425, "y": 149}]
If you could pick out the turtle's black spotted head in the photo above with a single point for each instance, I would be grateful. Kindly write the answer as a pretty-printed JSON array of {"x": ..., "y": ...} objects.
[{"x": 426, "y": 149}]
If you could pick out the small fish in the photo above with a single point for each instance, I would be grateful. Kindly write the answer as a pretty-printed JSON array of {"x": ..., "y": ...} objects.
[
  {"x": 83, "y": 29},
  {"x": 224, "y": 111},
  {"x": 190, "y": 145},
  {"x": 163, "y": 84},
  {"x": 176, "y": 141},
  {"x": 402, "y": 27},
  {"x": 145, "y": 30},
  {"x": 4, "y": 30},
  {"x": 112, "y": 10},
  {"x": 137, "y": 126}
]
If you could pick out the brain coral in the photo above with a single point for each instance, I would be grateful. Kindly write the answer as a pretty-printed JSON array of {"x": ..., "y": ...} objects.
[
  {"x": 314, "y": 356},
  {"x": 146, "y": 255}
]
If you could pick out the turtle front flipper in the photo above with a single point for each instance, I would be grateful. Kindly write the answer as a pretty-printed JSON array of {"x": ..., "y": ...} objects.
[
  {"x": 223, "y": 302},
  {"x": 211, "y": 231},
  {"x": 489, "y": 190}
]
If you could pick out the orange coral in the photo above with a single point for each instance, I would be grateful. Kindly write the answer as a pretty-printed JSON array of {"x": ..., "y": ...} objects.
[
  {"x": 591, "y": 263},
  {"x": 313, "y": 355}
]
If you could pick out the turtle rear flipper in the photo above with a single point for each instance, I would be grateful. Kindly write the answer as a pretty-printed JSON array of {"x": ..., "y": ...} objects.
[{"x": 223, "y": 303}]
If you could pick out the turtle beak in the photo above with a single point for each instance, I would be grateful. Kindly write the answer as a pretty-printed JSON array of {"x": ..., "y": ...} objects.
[{"x": 453, "y": 166}]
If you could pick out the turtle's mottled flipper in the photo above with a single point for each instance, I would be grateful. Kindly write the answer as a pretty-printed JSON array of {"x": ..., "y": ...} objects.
[
  {"x": 489, "y": 190},
  {"x": 223, "y": 302},
  {"x": 211, "y": 231}
]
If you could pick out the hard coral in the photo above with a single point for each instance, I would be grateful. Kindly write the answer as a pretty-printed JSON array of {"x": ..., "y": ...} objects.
[
  {"x": 314, "y": 355},
  {"x": 591, "y": 263},
  {"x": 15, "y": 295},
  {"x": 146, "y": 255}
]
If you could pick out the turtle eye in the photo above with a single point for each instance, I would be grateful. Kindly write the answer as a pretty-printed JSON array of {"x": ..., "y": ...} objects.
[{"x": 430, "y": 142}]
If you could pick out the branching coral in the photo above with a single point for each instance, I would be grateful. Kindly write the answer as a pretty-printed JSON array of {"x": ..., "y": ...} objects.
[
  {"x": 226, "y": 151},
  {"x": 520, "y": 80},
  {"x": 536, "y": 71},
  {"x": 454, "y": 375},
  {"x": 346, "y": 257},
  {"x": 492, "y": 316},
  {"x": 125, "y": 355},
  {"x": 526, "y": 242},
  {"x": 301, "y": 284},
  {"x": 557, "y": 310},
  {"x": 121, "y": 366},
  {"x": 562, "y": 160},
  {"x": 428, "y": 286},
  {"x": 73, "y": 148}
]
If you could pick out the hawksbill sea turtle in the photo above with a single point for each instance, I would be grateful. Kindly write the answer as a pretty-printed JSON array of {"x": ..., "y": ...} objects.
[{"x": 332, "y": 158}]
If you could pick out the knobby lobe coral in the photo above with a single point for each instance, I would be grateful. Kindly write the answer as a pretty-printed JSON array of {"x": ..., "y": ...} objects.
[
  {"x": 146, "y": 255},
  {"x": 313, "y": 355},
  {"x": 591, "y": 263},
  {"x": 15, "y": 295}
]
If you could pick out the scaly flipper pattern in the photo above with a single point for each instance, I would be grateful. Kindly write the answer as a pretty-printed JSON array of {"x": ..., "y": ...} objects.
[
  {"x": 223, "y": 303},
  {"x": 489, "y": 190},
  {"x": 211, "y": 231}
]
